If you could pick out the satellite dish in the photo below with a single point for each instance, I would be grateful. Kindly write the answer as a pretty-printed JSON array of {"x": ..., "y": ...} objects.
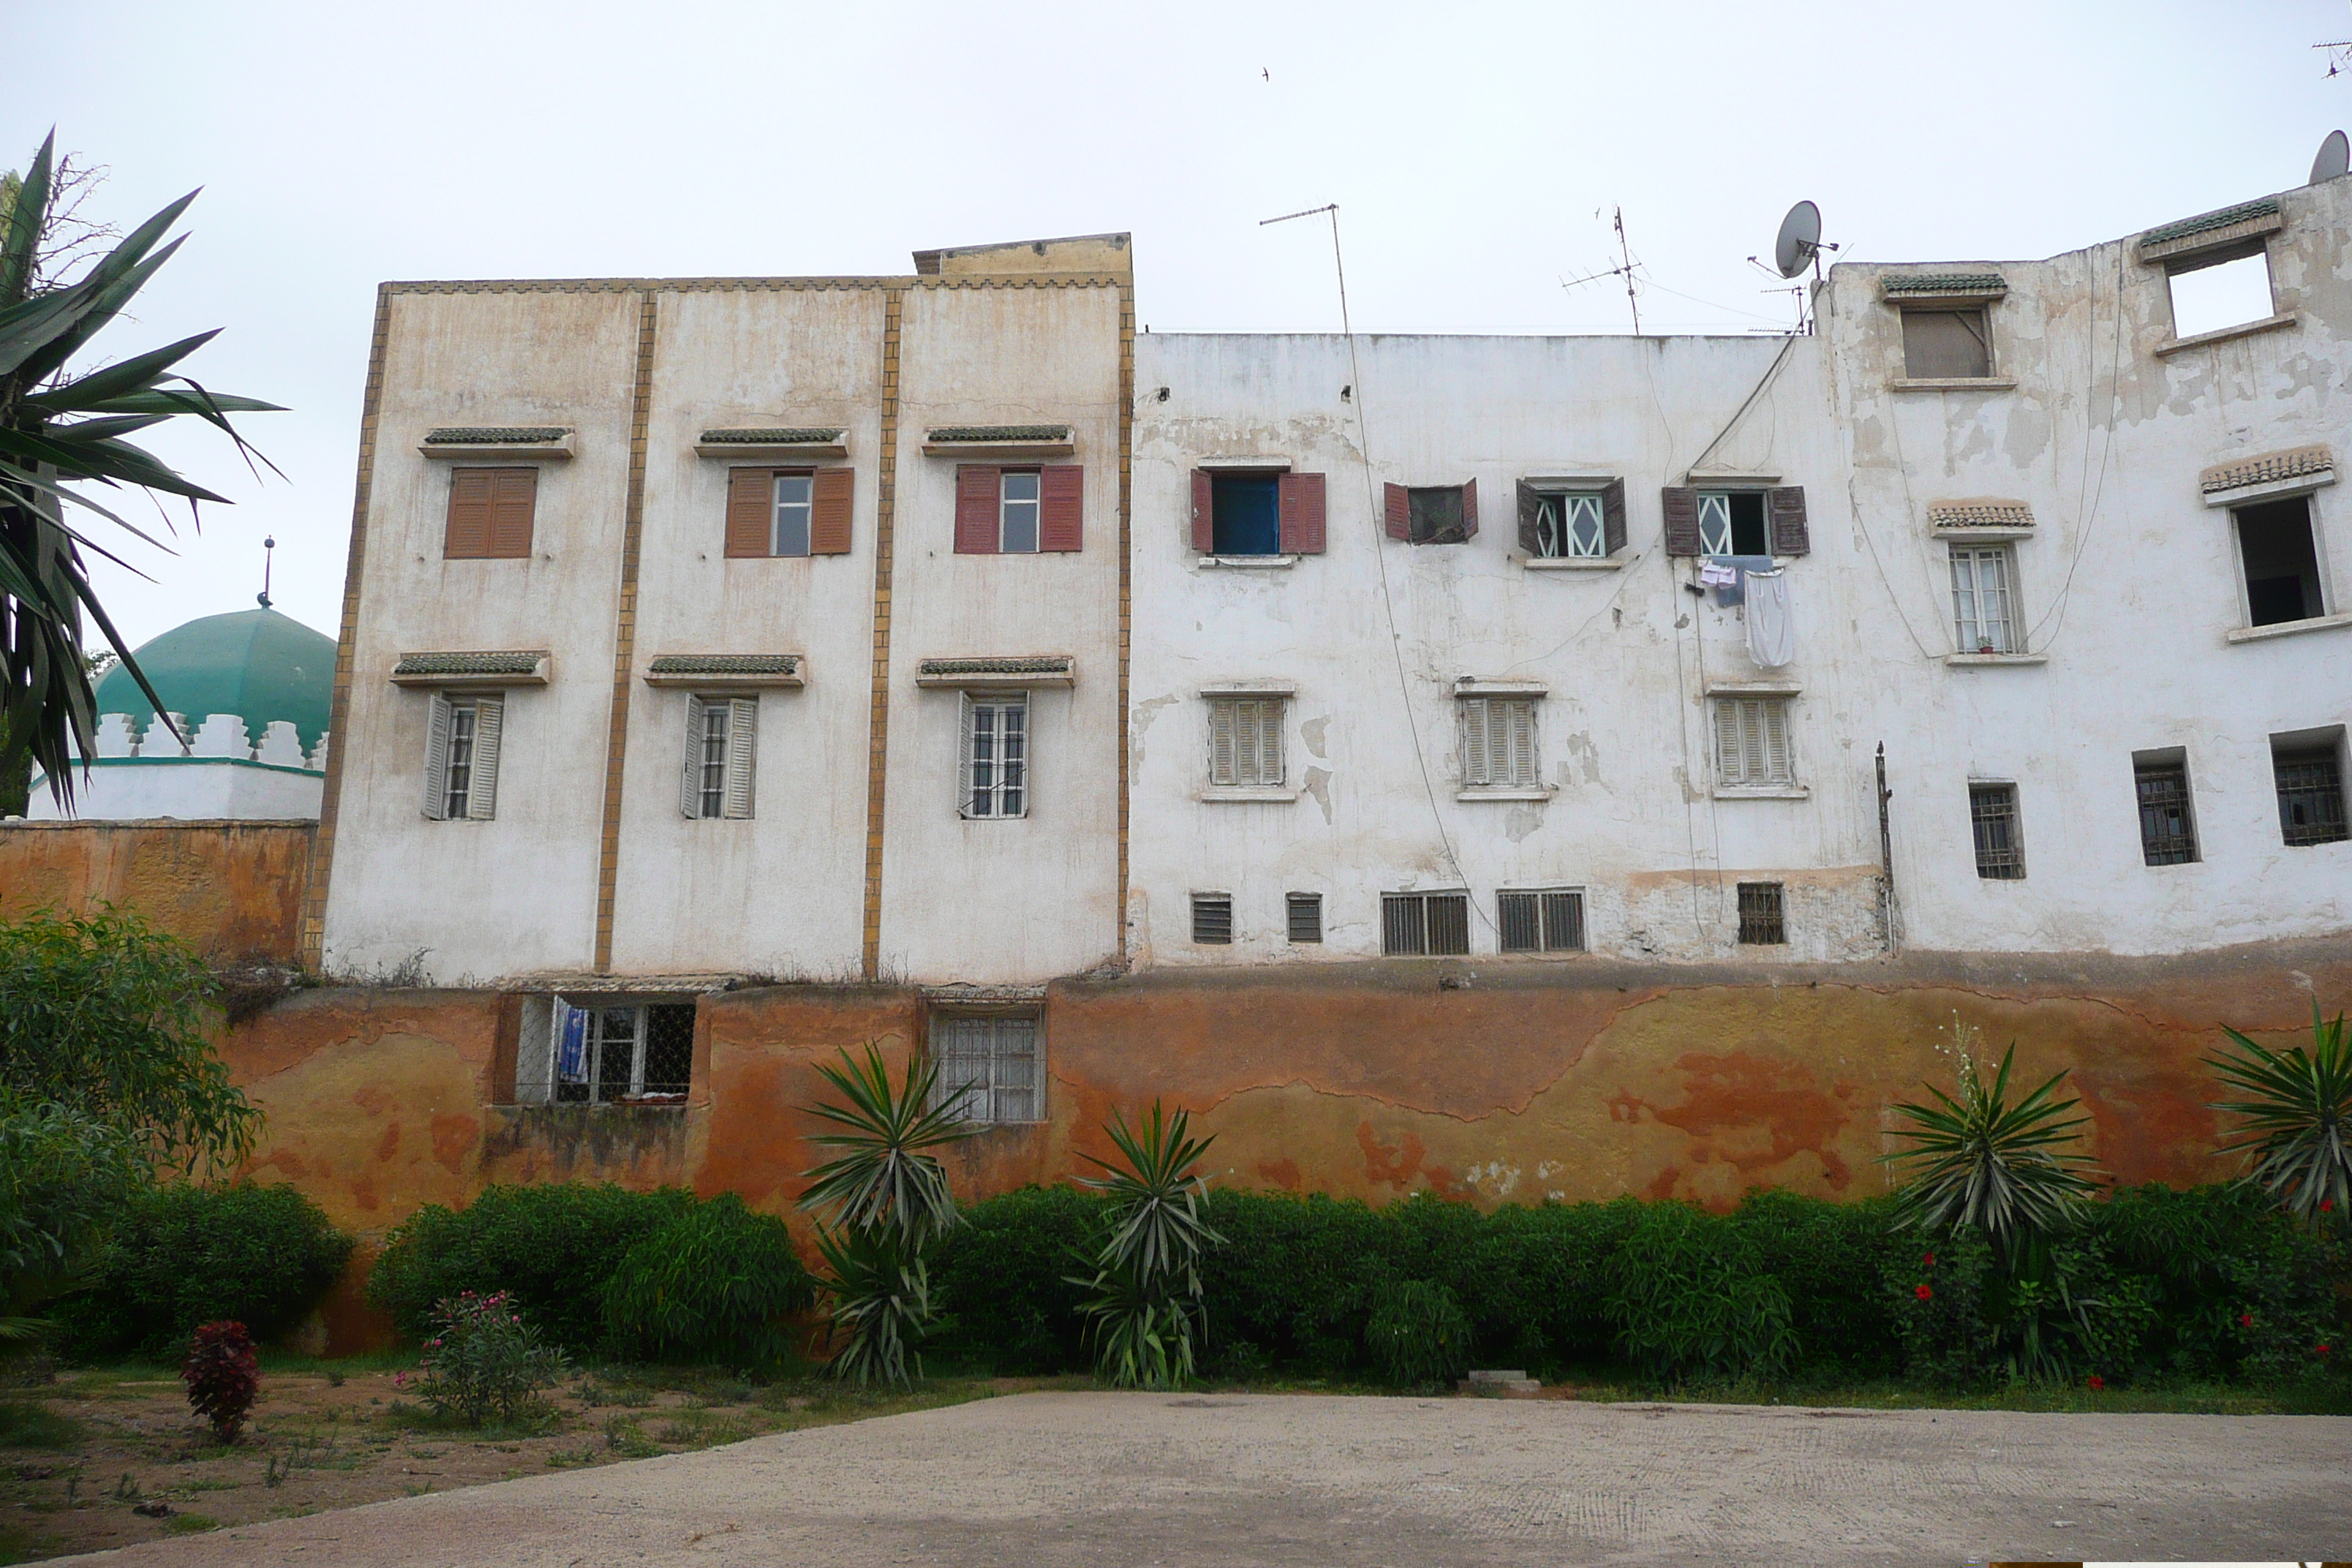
[
  {"x": 2335, "y": 158},
  {"x": 1801, "y": 239}
]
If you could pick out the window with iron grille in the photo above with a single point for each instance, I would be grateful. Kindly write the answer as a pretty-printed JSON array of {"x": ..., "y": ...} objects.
[
  {"x": 1992, "y": 817},
  {"x": 995, "y": 755},
  {"x": 1760, "y": 921},
  {"x": 1983, "y": 609},
  {"x": 1751, "y": 742},
  {"x": 1432, "y": 925},
  {"x": 1499, "y": 743},
  {"x": 1732, "y": 523},
  {"x": 1543, "y": 920},
  {"x": 594, "y": 1051},
  {"x": 2167, "y": 835},
  {"x": 461, "y": 756},
  {"x": 2310, "y": 793},
  {"x": 991, "y": 1066},
  {"x": 1212, "y": 919},
  {"x": 722, "y": 748},
  {"x": 1304, "y": 913},
  {"x": 1246, "y": 741},
  {"x": 1569, "y": 524}
]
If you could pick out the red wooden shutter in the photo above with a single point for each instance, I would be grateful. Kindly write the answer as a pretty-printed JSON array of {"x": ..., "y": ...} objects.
[
  {"x": 975, "y": 514},
  {"x": 1300, "y": 501},
  {"x": 1613, "y": 517},
  {"x": 1061, "y": 509},
  {"x": 750, "y": 512},
  {"x": 1204, "y": 520},
  {"x": 1397, "y": 505},
  {"x": 1681, "y": 506},
  {"x": 1530, "y": 502},
  {"x": 1470, "y": 509},
  {"x": 469, "y": 536},
  {"x": 829, "y": 511},
  {"x": 1789, "y": 535},
  {"x": 514, "y": 492}
]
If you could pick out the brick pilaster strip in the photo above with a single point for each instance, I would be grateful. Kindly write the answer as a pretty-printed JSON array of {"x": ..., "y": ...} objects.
[
  {"x": 885, "y": 514},
  {"x": 624, "y": 636},
  {"x": 322, "y": 843},
  {"x": 1125, "y": 574}
]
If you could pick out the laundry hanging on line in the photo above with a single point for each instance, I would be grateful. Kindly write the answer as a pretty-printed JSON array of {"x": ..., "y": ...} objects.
[
  {"x": 1772, "y": 621},
  {"x": 1726, "y": 574}
]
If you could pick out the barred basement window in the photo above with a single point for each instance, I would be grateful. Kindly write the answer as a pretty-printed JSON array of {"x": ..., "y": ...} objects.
[
  {"x": 1246, "y": 741},
  {"x": 1432, "y": 925},
  {"x": 592, "y": 1052},
  {"x": 1543, "y": 920},
  {"x": 1751, "y": 742},
  {"x": 1212, "y": 919},
  {"x": 994, "y": 756},
  {"x": 2167, "y": 835},
  {"x": 1761, "y": 922},
  {"x": 1499, "y": 743},
  {"x": 1305, "y": 912},
  {"x": 461, "y": 757},
  {"x": 992, "y": 1066},
  {"x": 722, "y": 746},
  {"x": 1992, "y": 817},
  {"x": 2310, "y": 793}
]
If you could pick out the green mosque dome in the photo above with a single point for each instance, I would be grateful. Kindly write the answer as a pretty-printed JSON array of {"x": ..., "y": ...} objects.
[{"x": 256, "y": 664}]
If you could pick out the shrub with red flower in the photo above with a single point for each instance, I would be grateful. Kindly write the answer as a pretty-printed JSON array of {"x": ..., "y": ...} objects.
[
  {"x": 223, "y": 1376},
  {"x": 2096, "y": 1383},
  {"x": 2320, "y": 1349},
  {"x": 485, "y": 1361},
  {"x": 1923, "y": 1292},
  {"x": 1931, "y": 1261},
  {"x": 2245, "y": 1319}
]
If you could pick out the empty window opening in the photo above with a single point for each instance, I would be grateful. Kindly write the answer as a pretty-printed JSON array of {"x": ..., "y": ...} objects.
[
  {"x": 606, "y": 1053},
  {"x": 2168, "y": 834},
  {"x": 1992, "y": 817},
  {"x": 1246, "y": 510},
  {"x": 1305, "y": 914},
  {"x": 1436, "y": 515},
  {"x": 2214, "y": 295},
  {"x": 1761, "y": 922},
  {"x": 1983, "y": 611},
  {"x": 1571, "y": 526},
  {"x": 995, "y": 755},
  {"x": 1544, "y": 921},
  {"x": 1018, "y": 504},
  {"x": 1499, "y": 743},
  {"x": 1415, "y": 925},
  {"x": 2282, "y": 561},
  {"x": 1751, "y": 742},
  {"x": 1212, "y": 919},
  {"x": 1246, "y": 741},
  {"x": 1946, "y": 345},
  {"x": 2310, "y": 791},
  {"x": 992, "y": 1066},
  {"x": 795, "y": 500},
  {"x": 1731, "y": 523}
]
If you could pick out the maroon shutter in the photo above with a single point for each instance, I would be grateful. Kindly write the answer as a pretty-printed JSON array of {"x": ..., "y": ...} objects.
[
  {"x": 829, "y": 499},
  {"x": 1204, "y": 520},
  {"x": 469, "y": 534},
  {"x": 975, "y": 518},
  {"x": 1613, "y": 517},
  {"x": 1301, "y": 497},
  {"x": 1790, "y": 536},
  {"x": 514, "y": 494},
  {"x": 1469, "y": 508},
  {"x": 1681, "y": 506},
  {"x": 1530, "y": 502},
  {"x": 750, "y": 512},
  {"x": 1398, "y": 507},
  {"x": 1061, "y": 507}
]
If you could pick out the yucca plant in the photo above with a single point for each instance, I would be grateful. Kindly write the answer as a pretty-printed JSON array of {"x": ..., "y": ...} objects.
[
  {"x": 881, "y": 1293},
  {"x": 2294, "y": 1135},
  {"x": 1144, "y": 1311},
  {"x": 59, "y": 430},
  {"x": 2009, "y": 1170}
]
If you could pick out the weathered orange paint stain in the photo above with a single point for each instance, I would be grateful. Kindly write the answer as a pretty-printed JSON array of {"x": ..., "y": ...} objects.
[
  {"x": 389, "y": 1145},
  {"x": 454, "y": 1138},
  {"x": 232, "y": 890},
  {"x": 1383, "y": 1165},
  {"x": 1283, "y": 1173},
  {"x": 1729, "y": 1100}
]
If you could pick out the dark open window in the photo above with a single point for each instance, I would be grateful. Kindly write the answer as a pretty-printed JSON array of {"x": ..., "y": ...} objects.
[
  {"x": 1247, "y": 515},
  {"x": 1541, "y": 922},
  {"x": 2167, "y": 835},
  {"x": 2310, "y": 777},
  {"x": 1441, "y": 514},
  {"x": 1760, "y": 920},
  {"x": 2282, "y": 561},
  {"x": 1941, "y": 345}
]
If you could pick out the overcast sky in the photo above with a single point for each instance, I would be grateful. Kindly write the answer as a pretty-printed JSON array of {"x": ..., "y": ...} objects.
[{"x": 1476, "y": 152}]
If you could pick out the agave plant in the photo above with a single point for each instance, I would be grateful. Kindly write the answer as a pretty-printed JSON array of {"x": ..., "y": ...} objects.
[
  {"x": 58, "y": 431},
  {"x": 1144, "y": 1310},
  {"x": 2296, "y": 1107},
  {"x": 881, "y": 1294},
  {"x": 2009, "y": 1170}
]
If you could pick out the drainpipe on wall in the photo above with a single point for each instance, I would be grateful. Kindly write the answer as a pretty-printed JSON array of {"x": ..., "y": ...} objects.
[{"x": 1889, "y": 918}]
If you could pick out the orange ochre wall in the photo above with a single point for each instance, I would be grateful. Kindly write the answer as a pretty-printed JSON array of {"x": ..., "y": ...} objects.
[
  {"x": 1527, "y": 1081},
  {"x": 232, "y": 890}
]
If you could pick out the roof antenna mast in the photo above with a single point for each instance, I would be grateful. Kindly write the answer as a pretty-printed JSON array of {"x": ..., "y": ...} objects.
[
  {"x": 1625, "y": 255},
  {"x": 267, "y": 545}
]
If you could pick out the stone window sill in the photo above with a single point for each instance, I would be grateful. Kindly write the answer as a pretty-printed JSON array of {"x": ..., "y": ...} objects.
[
  {"x": 1224, "y": 795},
  {"x": 1505, "y": 793},
  {"x": 1752, "y": 792},
  {"x": 1573, "y": 563},
  {"x": 2289, "y": 628},
  {"x": 2243, "y": 330},
  {"x": 1953, "y": 384},
  {"x": 1247, "y": 562},
  {"x": 1978, "y": 660}
]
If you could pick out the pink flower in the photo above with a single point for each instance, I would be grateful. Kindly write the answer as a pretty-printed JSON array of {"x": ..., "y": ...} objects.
[
  {"x": 1923, "y": 1292},
  {"x": 400, "y": 1380}
]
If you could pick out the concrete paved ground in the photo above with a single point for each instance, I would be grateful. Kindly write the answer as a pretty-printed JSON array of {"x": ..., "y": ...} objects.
[{"x": 1142, "y": 1478}]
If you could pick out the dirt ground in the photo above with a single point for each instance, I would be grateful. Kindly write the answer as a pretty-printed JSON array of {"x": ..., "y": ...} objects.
[{"x": 1188, "y": 1481}]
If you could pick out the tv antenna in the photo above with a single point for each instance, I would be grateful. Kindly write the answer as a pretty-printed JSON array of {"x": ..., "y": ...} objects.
[
  {"x": 2335, "y": 159},
  {"x": 1625, "y": 269}
]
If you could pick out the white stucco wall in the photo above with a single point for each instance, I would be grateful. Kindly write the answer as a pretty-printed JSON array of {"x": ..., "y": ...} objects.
[{"x": 208, "y": 789}]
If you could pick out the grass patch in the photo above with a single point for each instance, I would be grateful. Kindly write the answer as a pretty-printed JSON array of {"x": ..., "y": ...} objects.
[
  {"x": 189, "y": 1524},
  {"x": 29, "y": 1424}
]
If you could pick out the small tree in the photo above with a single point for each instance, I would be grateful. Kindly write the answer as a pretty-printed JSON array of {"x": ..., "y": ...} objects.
[
  {"x": 223, "y": 1377},
  {"x": 1145, "y": 1313},
  {"x": 2295, "y": 1135},
  {"x": 64, "y": 1177}
]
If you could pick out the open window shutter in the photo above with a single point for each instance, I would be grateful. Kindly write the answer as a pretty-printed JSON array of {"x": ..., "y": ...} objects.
[
  {"x": 1474, "y": 741},
  {"x": 1222, "y": 715},
  {"x": 1396, "y": 507},
  {"x": 1530, "y": 507},
  {"x": 1470, "y": 509},
  {"x": 689, "y": 782},
  {"x": 963, "y": 757},
  {"x": 469, "y": 536},
  {"x": 1204, "y": 503},
  {"x": 829, "y": 511},
  {"x": 437, "y": 759},
  {"x": 975, "y": 516},
  {"x": 1522, "y": 745},
  {"x": 750, "y": 512},
  {"x": 1727, "y": 742},
  {"x": 1061, "y": 509},
  {"x": 1300, "y": 501},
  {"x": 1774, "y": 722},
  {"x": 1613, "y": 517},
  {"x": 1681, "y": 506},
  {"x": 482, "y": 792},
  {"x": 1790, "y": 536},
  {"x": 742, "y": 753},
  {"x": 513, "y": 496}
]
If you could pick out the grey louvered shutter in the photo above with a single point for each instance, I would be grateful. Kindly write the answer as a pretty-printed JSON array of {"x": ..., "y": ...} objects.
[
  {"x": 1225, "y": 715},
  {"x": 963, "y": 758},
  {"x": 482, "y": 786},
  {"x": 1523, "y": 745},
  {"x": 689, "y": 782},
  {"x": 1727, "y": 740},
  {"x": 1613, "y": 518},
  {"x": 1772, "y": 720},
  {"x": 437, "y": 759},
  {"x": 743, "y": 754},
  {"x": 1269, "y": 740},
  {"x": 1474, "y": 741}
]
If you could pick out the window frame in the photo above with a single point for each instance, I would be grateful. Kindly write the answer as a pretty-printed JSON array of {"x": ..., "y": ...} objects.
[
  {"x": 1292, "y": 905},
  {"x": 1229, "y": 707},
  {"x": 2322, "y": 749},
  {"x": 970, "y": 703},
  {"x": 777, "y": 479},
  {"x": 2182, "y": 264},
  {"x": 481, "y": 715},
  {"x": 1477, "y": 782},
  {"x": 1790, "y": 782},
  {"x": 2328, "y": 602},
  {"x": 1763, "y": 921},
  {"x": 1762, "y": 495},
  {"x": 1994, "y": 802},
  {"x": 737, "y": 716},
  {"x": 1573, "y": 502},
  {"x": 1548, "y": 906},
  {"x": 2002, "y": 555},
  {"x": 1455, "y": 898},
  {"x": 1980, "y": 309},
  {"x": 1005, "y": 501},
  {"x": 946, "y": 1093},
  {"x": 540, "y": 1047},
  {"x": 2154, "y": 764},
  {"x": 1208, "y": 910}
]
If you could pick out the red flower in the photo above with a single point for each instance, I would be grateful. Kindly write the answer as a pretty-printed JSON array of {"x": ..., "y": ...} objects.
[
  {"x": 2319, "y": 1350},
  {"x": 2327, "y": 1204},
  {"x": 1923, "y": 1292},
  {"x": 1931, "y": 1261},
  {"x": 2245, "y": 1319},
  {"x": 2097, "y": 1382}
]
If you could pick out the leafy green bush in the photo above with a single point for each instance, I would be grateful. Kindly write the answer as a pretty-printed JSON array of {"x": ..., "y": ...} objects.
[
  {"x": 713, "y": 1284},
  {"x": 183, "y": 1255},
  {"x": 484, "y": 1359},
  {"x": 1418, "y": 1332},
  {"x": 1691, "y": 1297},
  {"x": 1001, "y": 1281}
]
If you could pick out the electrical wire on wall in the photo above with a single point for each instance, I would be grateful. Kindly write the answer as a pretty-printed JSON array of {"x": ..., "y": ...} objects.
[{"x": 2114, "y": 412}]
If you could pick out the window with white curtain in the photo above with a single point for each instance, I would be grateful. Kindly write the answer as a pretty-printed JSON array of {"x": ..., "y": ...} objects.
[
  {"x": 1984, "y": 604},
  {"x": 991, "y": 1066}
]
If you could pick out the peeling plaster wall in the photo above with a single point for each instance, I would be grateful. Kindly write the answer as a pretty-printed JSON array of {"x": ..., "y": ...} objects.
[{"x": 233, "y": 891}]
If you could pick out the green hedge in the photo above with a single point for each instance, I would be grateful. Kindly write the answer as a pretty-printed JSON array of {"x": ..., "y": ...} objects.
[{"x": 183, "y": 1255}]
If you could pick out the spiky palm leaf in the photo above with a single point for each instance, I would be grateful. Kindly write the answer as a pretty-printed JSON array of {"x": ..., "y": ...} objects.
[
  {"x": 880, "y": 1295},
  {"x": 1156, "y": 1229},
  {"x": 2009, "y": 1170},
  {"x": 2294, "y": 1137},
  {"x": 59, "y": 430},
  {"x": 885, "y": 1179}
]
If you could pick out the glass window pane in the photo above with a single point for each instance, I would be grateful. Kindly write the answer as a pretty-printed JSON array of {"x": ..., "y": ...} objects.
[
  {"x": 1584, "y": 528},
  {"x": 1715, "y": 524},
  {"x": 792, "y": 499}
]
